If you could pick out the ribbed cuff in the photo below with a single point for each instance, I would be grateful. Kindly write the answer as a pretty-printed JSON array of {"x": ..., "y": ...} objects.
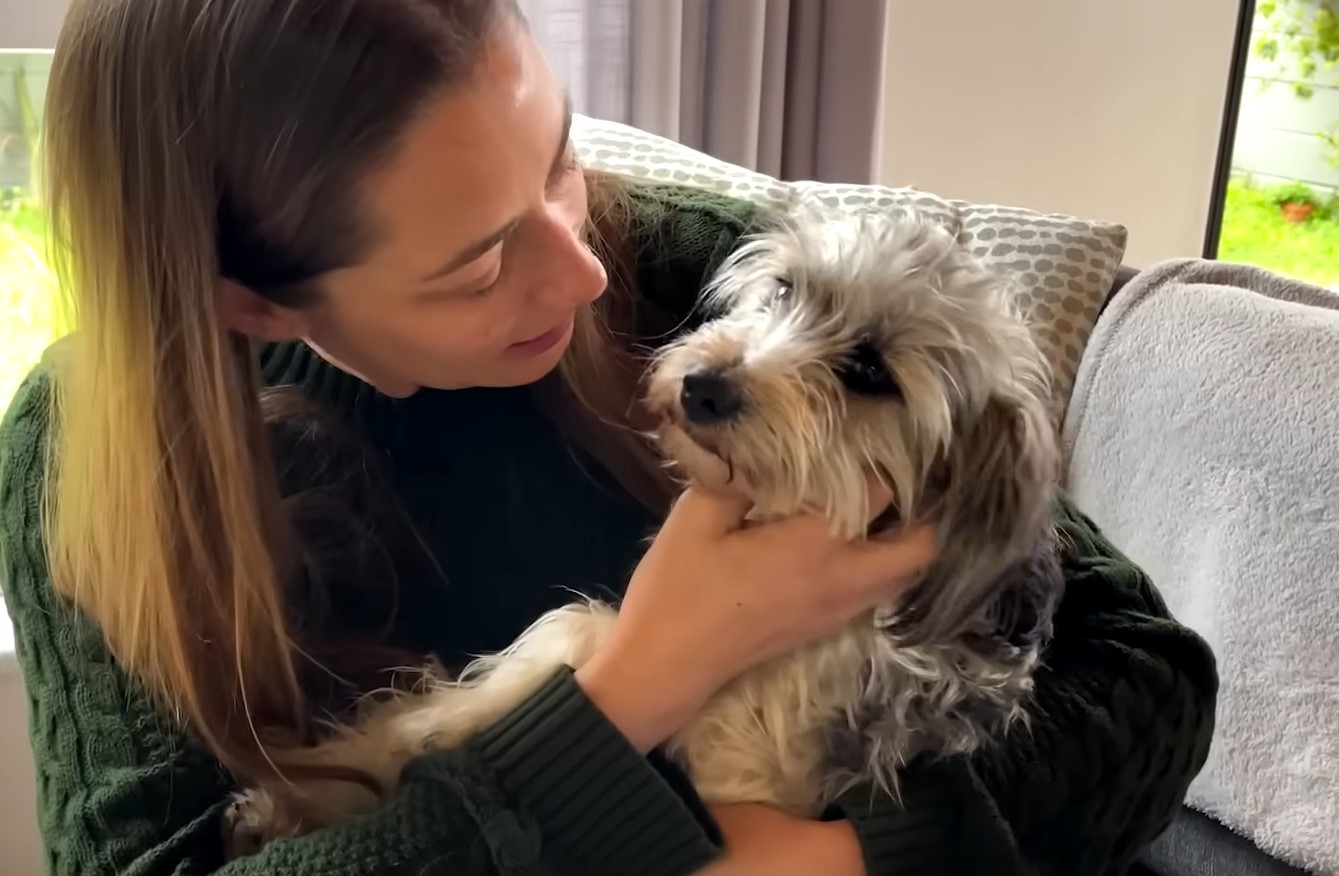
[
  {"x": 589, "y": 789},
  {"x": 945, "y": 825},
  {"x": 904, "y": 841}
]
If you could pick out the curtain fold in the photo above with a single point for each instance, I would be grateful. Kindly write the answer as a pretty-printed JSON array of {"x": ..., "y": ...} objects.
[{"x": 790, "y": 88}]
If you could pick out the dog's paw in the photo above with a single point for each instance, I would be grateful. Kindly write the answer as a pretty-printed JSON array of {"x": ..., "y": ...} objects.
[{"x": 248, "y": 823}]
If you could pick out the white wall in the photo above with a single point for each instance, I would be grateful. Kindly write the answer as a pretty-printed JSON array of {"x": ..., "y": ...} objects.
[
  {"x": 1099, "y": 109},
  {"x": 30, "y": 24}
]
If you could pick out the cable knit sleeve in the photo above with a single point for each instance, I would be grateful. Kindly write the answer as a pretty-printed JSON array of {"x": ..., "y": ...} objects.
[
  {"x": 1121, "y": 723},
  {"x": 121, "y": 793}
]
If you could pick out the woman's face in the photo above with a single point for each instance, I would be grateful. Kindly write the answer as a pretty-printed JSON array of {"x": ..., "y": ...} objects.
[{"x": 479, "y": 264}]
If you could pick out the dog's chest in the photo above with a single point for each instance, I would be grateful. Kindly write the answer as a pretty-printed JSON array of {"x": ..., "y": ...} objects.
[{"x": 770, "y": 735}]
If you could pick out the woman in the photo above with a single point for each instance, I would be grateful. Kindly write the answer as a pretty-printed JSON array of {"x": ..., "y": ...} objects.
[{"x": 382, "y": 192}]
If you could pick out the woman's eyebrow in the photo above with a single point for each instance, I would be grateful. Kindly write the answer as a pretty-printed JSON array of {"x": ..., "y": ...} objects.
[
  {"x": 472, "y": 252},
  {"x": 479, "y": 247}
]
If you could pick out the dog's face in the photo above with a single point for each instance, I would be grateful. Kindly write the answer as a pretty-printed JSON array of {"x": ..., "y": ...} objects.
[{"x": 840, "y": 345}]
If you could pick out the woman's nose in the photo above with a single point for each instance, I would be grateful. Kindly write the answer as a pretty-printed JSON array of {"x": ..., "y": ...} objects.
[{"x": 569, "y": 272}]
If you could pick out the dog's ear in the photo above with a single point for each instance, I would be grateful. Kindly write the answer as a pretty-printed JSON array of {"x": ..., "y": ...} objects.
[
  {"x": 994, "y": 491},
  {"x": 1019, "y": 618},
  {"x": 1001, "y": 477}
]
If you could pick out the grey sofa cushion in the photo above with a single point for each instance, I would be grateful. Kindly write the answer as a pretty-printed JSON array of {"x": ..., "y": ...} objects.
[{"x": 1196, "y": 845}]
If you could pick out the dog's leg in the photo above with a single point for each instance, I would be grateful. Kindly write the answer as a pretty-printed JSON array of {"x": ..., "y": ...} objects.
[
  {"x": 389, "y": 734},
  {"x": 761, "y": 738},
  {"x": 736, "y": 754}
]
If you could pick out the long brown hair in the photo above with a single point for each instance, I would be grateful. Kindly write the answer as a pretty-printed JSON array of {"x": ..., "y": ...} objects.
[{"x": 188, "y": 140}]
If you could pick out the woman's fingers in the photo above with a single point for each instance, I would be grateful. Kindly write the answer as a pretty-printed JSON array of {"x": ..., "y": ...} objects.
[
  {"x": 887, "y": 567},
  {"x": 703, "y": 513},
  {"x": 866, "y": 573},
  {"x": 813, "y": 531}
]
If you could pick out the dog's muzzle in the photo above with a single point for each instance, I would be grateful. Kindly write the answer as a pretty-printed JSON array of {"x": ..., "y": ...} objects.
[{"x": 709, "y": 397}]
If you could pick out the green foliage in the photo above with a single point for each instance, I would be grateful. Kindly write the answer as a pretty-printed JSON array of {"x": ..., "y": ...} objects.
[
  {"x": 24, "y": 142},
  {"x": 28, "y": 310},
  {"x": 1302, "y": 36},
  {"x": 1302, "y": 32},
  {"x": 28, "y": 322},
  {"x": 1296, "y": 193},
  {"x": 1255, "y": 233}
]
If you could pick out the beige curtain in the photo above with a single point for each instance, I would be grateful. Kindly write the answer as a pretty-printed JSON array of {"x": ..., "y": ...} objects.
[{"x": 791, "y": 88}]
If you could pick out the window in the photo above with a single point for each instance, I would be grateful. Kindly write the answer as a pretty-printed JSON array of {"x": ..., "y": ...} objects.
[
  {"x": 27, "y": 302},
  {"x": 1280, "y": 189}
]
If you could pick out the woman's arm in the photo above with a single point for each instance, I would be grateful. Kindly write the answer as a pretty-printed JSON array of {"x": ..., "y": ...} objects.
[
  {"x": 122, "y": 792},
  {"x": 1122, "y": 718}
]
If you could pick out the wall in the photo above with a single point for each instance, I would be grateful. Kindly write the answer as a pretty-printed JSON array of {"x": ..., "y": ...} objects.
[
  {"x": 30, "y": 24},
  {"x": 1099, "y": 109},
  {"x": 1277, "y": 136},
  {"x": 20, "y": 848}
]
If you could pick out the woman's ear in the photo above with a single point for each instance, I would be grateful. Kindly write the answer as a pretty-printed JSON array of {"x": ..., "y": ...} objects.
[{"x": 252, "y": 314}]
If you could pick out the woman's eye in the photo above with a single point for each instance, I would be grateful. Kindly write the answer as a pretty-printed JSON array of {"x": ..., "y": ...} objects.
[
  {"x": 482, "y": 291},
  {"x": 487, "y": 283},
  {"x": 571, "y": 165}
]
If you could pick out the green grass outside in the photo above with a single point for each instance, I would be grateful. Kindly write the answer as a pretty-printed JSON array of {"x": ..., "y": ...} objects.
[
  {"x": 1255, "y": 233},
  {"x": 27, "y": 299}
]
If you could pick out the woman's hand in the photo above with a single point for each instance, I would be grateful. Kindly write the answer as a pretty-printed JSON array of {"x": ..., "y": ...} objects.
[
  {"x": 713, "y": 597},
  {"x": 761, "y": 841}
]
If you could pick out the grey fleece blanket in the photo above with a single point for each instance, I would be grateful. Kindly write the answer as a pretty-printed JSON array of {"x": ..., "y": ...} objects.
[{"x": 1203, "y": 436}]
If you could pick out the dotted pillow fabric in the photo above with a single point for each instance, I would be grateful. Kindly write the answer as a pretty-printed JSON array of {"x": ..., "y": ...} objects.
[
  {"x": 618, "y": 148},
  {"x": 1063, "y": 266}
]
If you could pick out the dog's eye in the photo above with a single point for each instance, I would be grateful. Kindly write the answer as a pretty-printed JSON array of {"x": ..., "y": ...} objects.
[
  {"x": 865, "y": 372},
  {"x": 784, "y": 291}
]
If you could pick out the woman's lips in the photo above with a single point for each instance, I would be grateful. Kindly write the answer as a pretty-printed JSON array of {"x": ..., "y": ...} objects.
[{"x": 542, "y": 343}]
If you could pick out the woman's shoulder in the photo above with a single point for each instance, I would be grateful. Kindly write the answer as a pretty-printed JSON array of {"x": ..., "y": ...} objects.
[
  {"x": 686, "y": 225},
  {"x": 656, "y": 202},
  {"x": 677, "y": 235},
  {"x": 25, "y": 431}
]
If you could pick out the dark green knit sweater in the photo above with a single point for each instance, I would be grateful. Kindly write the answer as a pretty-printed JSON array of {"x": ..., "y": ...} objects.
[{"x": 1123, "y": 713}]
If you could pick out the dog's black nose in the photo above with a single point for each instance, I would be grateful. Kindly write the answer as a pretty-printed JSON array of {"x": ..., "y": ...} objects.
[{"x": 709, "y": 397}]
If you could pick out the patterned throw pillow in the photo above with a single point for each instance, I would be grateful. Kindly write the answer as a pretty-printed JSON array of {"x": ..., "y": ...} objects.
[{"x": 1063, "y": 266}]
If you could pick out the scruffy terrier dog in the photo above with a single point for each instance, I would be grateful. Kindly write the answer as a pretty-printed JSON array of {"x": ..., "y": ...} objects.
[{"x": 836, "y": 346}]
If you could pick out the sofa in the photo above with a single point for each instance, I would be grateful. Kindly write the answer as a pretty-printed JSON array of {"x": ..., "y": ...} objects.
[
  {"x": 1197, "y": 844},
  {"x": 1201, "y": 434},
  {"x": 1078, "y": 292}
]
